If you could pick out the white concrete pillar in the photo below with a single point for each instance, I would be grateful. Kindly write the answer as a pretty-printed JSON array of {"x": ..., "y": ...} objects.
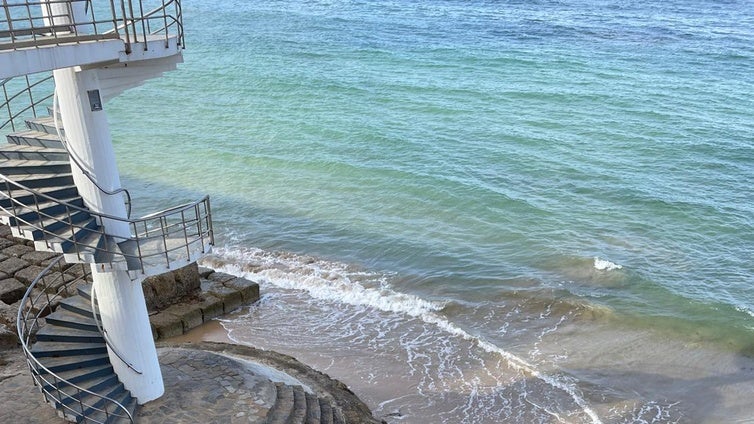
[{"x": 121, "y": 301}]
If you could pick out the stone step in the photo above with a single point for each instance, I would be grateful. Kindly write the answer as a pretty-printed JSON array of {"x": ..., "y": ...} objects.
[
  {"x": 326, "y": 412},
  {"x": 298, "y": 416},
  {"x": 283, "y": 407},
  {"x": 312, "y": 409}
]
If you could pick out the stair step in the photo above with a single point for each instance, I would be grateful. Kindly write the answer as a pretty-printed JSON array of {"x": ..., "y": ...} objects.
[
  {"x": 53, "y": 333},
  {"x": 298, "y": 416},
  {"x": 46, "y": 210},
  {"x": 45, "y": 124},
  {"x": 25, "y": 152},
  {"x": 77, "y": 305},
  {"x": 81, "y": 376},
  {"x": 65, "y": 318},
  {"x": 15, "y": 167},
  {"x": 43, "y": 349},
  {"x": 130, "y": 250},
  {"x": 68, "y": 363},
  {"x": 35, "y": 138},
  {"x": 312, "y": 409},
  {"x": 326, "y": 412},
  {"x": 20, "y": 199},
  {"x": 283, "y": 407},
  {"x": 41, "y": 181},
  {"x": 96, "y": 412},
  {"x": 91, "y": 383},
  {"x": 52, "y": 229},
  {"x": 111, "y": 388}
]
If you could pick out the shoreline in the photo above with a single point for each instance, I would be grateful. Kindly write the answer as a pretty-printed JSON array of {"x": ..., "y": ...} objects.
[{"x": 184, "y": 306}]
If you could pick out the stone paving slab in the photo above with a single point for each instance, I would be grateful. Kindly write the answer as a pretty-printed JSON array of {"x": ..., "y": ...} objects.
[{"x": 206, "y": 387}]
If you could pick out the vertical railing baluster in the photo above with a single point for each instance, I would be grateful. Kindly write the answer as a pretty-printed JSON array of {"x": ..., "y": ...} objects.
[{"x": 143, "y": 27}]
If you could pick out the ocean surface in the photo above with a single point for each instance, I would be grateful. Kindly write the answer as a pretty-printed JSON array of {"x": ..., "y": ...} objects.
[{"x": 475, "y": 211}]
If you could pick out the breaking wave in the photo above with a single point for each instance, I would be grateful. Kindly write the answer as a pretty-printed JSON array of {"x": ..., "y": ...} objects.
[{"x": 336, "y": 282}]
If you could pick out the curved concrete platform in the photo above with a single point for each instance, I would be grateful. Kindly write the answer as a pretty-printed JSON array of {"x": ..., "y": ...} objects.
[{"x": 213, "y": 383}]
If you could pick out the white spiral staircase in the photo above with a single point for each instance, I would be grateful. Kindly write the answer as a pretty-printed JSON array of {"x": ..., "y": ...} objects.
[{"x": 126, "y": 42}]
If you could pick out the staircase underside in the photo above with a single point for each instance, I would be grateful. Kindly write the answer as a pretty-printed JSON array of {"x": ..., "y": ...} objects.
[{"x": 82, "y": 51}]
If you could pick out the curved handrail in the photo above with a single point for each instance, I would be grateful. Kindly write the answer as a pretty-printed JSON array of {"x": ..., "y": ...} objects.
[
  {"x": 164, "y": 236},
  {"x": 93, "y": 299},
  {"x": 33, "y": 104},
  {"x": 37, "y": 303},
  {"x": 77, "y": 161}
]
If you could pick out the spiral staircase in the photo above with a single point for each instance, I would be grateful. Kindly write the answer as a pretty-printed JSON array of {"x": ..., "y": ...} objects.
[{"x": 127, "y": 42}]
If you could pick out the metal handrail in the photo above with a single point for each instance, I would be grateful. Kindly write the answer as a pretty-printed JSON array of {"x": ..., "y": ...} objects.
[
  {"x": 25, "y": 24},
  {"x": 77, "y": 161},
  {"x": 93, "y": 299},
  {"x": 192, "y": 223},
  {"x": 38, "y": 301},
  {"x": 33, "y": 104}
]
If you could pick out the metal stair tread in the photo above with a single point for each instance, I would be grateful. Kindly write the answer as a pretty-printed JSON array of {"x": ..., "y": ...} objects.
[
  {"x": 11, "y": 147},
  {"x": 68, "y": 335},
  {"x": 56, "y": 349},
  {"x": 85, "y": 374},
  {"x": 68, "y": 363},
  {"x": 77, "y": 305},
  {"x": 65, "y": 318},
  {"x": 30, "y": 133},
  {"x": 43, "y": 123},
  {"x": 91, "y": 383}
]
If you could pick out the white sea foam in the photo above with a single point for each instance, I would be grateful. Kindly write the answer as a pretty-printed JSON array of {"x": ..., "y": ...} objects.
[
  {"x": 605, "y": 265},
  {"x": 330, "y": 281}
]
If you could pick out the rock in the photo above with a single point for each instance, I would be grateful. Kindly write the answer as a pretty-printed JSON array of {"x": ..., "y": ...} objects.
[
  {"x": 17, "y": 250},
  {"x": 8, "y": 314},
  {"x": 166, "y": 325},
  {"x": 5, "y": 243},
  {"x": 11, "y": 266},
  {"x": 8, "y": 337},
  {"x": 187, "y": 279},
  {"x": 28, "y": 274},
  {"x": 189, "y": 313},
  {"x": 164, "y": 289},
  {"x": 11, "y": 290},
  {"x": 211, "y": 306},
  {"x": 39, "y": 258},
  {"x": 204, "y": 272},
  {"x": 221, "y": 277},
  {"x": 249, "y": 290},
  {"x": 231, "y": 298}
]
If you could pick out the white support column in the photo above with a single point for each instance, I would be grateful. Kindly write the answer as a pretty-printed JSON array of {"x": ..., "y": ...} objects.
[{"x": 121, "y": 301}]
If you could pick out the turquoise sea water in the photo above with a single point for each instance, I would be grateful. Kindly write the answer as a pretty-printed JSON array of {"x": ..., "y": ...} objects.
[{"x": 569, "y": 184}]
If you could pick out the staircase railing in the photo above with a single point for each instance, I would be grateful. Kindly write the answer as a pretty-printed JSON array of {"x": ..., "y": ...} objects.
[
  {"x": 41, "y": 298},
  {"x": 23, "y": 23},
  {"x": 25, "y": 96},
  {"x": 159, "y": 240}
]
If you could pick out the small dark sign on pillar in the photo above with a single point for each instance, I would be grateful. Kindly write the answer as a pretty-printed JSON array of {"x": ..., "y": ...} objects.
[{"x": 94, "y": 100}]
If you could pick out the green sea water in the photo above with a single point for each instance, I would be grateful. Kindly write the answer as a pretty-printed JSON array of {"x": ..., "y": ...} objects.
[{"x": 540, "y": 172}]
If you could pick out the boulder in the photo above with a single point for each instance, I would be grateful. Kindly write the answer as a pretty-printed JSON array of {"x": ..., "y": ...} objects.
[{"x": 11, "y": 290}]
